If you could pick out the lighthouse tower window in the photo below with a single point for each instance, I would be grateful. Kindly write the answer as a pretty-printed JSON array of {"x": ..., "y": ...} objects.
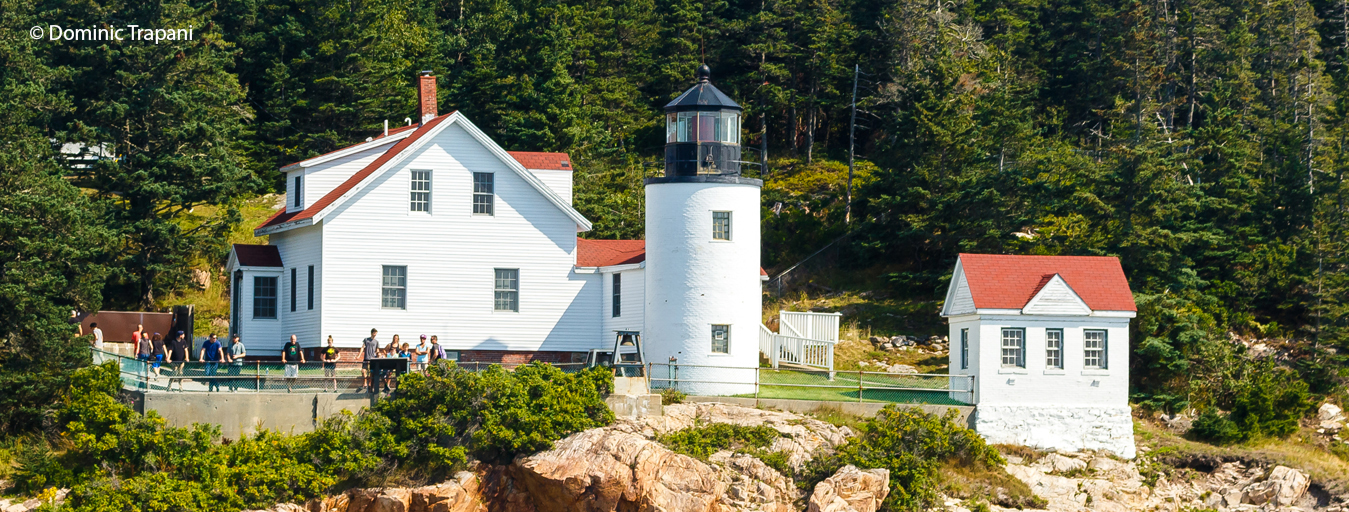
[
  {"x": 721, "y": 339},
  {"x": 721, "y": 225}
]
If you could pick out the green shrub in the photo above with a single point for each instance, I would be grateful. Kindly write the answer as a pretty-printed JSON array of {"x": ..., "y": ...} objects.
[
  {"x": 1268, "y": 402},
  {"x": 671, "y": 396},
  {"x": 703, "y": 440}
]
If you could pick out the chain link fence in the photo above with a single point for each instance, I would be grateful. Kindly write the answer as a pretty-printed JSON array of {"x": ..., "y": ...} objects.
[{"x": 810, "y": 384}]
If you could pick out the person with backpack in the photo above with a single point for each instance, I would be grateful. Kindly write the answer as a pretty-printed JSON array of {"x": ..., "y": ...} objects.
[
  {"x": 211, "y": 354},
  {"x": 292, "y": 356},
  {"x": 437, "y": 352}
]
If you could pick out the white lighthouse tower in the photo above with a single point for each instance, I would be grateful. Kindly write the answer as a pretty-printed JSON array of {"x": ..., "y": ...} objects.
[{"x": 703, "y": 293}]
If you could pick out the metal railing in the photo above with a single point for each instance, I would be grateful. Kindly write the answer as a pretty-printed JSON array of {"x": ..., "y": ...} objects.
[
  {"x": 806, "y": 384},
  {"x": 267, "y": 376}
]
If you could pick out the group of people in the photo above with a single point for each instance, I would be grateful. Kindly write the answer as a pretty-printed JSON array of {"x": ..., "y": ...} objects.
[
  {"x": 419, "y": 357},
  {"x": 177, "y": 350}
]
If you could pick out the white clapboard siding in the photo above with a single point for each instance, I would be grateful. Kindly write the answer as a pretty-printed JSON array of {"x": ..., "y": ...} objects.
[
  {"x": 632, "y": 300},
  {"x": 451, "y": 254},
  {"x": 321, "y": 179},
  {"x": 1056, "y": 298},
  {"x": 559, "y": 181},
  {"x": 256, "y": 333},
  {"x": 960, "y": 301},
  {"x": 299, "y": 248}
]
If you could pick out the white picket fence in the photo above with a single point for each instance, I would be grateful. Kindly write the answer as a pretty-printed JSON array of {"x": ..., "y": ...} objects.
[{"x": 804, "y": 338}]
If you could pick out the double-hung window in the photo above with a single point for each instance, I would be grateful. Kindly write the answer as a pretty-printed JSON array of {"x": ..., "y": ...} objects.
[
  {"x": 421, "y": 191},
  {"x": 1013, "y": 348},
  {"x": 394, "y": 290},
  {"x": 964, "y": 349},
  {"x": 264, "y": 297},
  {"x": 721, "y": 339},
  {"x": 618, "y": 295},
  {"x": 507, "y": 290},
  {"x": 721, "y": 225},
  {"x": 484, "y": 186},
  {"x": 1093, "y": 349},
  {"x": 1054, "y": 348}
]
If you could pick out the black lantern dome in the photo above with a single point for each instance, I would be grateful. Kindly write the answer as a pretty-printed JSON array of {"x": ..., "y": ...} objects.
[{"x": 702, "y": 131}]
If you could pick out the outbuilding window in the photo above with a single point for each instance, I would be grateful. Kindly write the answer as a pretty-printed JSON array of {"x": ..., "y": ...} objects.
[
  {"x": 721, "y": 225},
  {"x": 264, "y": 296},
  {"x": 964, "y": 349},
  {"x": 296, "y": 193},
  {"x": 1093, "y": 349},
  {"x": 618, "y": 295},
  {"x": 721, "y": 339},
  {"x": 484, "y": 186},
  {"x": 1013, "y": 348},
  {"x": 394, "y": 290},
  {"x": 1054, "y": 348},
  {"x": 310, "y": 284}
]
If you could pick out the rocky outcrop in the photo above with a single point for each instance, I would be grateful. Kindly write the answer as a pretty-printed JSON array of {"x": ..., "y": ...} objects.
[
  {"x": 851, "y": 490},
  {"x": 622, "y": 467},
  {"x": 21, "y": 505}
]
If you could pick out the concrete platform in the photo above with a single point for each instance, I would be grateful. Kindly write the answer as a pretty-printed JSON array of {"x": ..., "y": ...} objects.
[{"x": 241, "y": 414}]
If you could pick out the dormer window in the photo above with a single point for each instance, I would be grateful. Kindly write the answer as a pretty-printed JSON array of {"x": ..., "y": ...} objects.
[{"x": 299, "y": 200}]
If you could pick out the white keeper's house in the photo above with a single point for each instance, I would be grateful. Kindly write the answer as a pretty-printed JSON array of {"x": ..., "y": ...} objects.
[
  {"x": 434, "y": 229},
  {"x": 1047, "y": 341}
]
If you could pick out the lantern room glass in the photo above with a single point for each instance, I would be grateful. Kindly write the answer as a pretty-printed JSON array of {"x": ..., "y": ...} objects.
[{"x": 723, "y": 127}]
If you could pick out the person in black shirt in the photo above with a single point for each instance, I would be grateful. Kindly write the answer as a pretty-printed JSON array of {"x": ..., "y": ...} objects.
[
  {"x": 179, "y": 347},
  {"x": 292, "y": 356},
  {"x": 157, "y": 354}
]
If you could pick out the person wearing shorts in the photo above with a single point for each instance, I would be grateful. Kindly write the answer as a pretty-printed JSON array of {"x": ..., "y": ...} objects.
[
  {"x": 292, "y": 356},
  {"x": 369, "y": 350}
]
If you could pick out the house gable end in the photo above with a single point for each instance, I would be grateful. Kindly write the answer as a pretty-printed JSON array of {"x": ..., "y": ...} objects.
[
  {"x": 959, "y": 300},
  {"x": 1055, "y": 297}
]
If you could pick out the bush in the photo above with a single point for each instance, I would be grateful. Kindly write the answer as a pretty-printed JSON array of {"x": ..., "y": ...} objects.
[
  {"x": 1269, "y": 402},
  {"x": 115, "y": 459},
  {"x": 671, "y": 396},
  {"x": 703, "y": 440}
]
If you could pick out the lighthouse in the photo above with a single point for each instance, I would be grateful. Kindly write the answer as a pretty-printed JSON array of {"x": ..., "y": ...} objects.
[{"x": 703, "y": 299}]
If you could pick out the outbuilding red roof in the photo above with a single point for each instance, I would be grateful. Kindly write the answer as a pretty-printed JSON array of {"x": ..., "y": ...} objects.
[
  {"x": 257, "y": 255},
  {"x": 604, "y": 253},
  {"x": 544, "y": 161},
  {"x": 1009, "y": 282}
]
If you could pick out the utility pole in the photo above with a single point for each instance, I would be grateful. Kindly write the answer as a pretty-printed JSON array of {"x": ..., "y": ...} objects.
[{"x": 852, "y": 129}]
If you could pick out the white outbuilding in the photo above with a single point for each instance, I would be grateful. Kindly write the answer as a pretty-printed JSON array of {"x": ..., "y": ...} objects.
[{"x": 1047, "y": 341}]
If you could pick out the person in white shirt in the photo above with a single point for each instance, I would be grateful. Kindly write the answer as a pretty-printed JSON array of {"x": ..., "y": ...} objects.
[{"x": 98, "y": 335}]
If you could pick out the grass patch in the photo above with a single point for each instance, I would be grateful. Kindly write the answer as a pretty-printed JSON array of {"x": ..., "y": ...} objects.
[
  {"x": 701, "y": 441},
  {"x": 838, "y": 418},
  {"x": 987, "y": 484},
  {"x": 867, "y": 313},
  {"x": 671, "y": 396}
]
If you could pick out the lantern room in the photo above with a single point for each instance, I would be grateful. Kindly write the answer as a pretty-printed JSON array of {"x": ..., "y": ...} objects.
[{"x": 702, "y": 131}]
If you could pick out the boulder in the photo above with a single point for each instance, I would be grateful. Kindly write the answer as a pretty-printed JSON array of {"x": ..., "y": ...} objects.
[
  {"x": 1055, "y": 463},
  {"x": 1329, "y": 412},
  {"x": 201, "y": 278},
  {"x": 462, "y": 494},
  {"x": 851, "y": 490},
  {"x": 1292, "y": 484}
]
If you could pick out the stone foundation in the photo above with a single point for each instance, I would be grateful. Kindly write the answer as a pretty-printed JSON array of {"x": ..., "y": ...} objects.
[{"x": 1063, "y": 428}]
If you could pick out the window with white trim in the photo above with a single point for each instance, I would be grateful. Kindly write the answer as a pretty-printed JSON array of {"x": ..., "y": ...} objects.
[
  {"x": 421, "y": 191},
  {"x": 484, "y": 187},
  {"x": 618, "y": 295},
  {"x": 296, "y": 193},
  {"x": 721, "y": 339},
  {"x": 721, "y": 225},
  {"x": 1054, "y": 348},
  {"x": 964, "y": 349},
  {"x": 264, "y": 296},
  {"x": 394, "y": 289},
  {"x": 507, "y": 290},
  {"x": 1093, "y": 349},
  {"x": 1013, "y": 348}
]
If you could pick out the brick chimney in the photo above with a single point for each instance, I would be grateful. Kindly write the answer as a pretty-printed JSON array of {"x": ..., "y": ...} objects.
[{"x": 426, "y": 96}]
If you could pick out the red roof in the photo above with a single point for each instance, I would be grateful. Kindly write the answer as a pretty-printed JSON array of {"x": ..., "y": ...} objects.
[
  {"x": 392, "y": 131},
  {"x": 545, "y": 161},
  {"x": 603, "y": 253},
  {"x": 1009, "y": 282},
  {"x": 257, "y": 255},
  {"x": 282, "y": 217}
]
